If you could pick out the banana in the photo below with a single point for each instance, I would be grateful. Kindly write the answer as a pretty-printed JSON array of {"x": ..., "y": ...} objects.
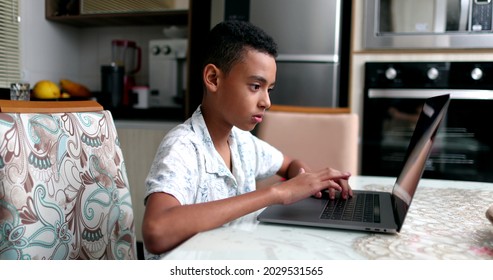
[{"x": 74, "y": 89}]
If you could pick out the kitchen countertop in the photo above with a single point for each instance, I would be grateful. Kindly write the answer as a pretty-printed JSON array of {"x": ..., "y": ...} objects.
[
  {"x": 446, "y": 220},
  {"x": 150, "y": 114},
  {"x": 163, "y": 125},
  {"x": 160, "y": 114}
]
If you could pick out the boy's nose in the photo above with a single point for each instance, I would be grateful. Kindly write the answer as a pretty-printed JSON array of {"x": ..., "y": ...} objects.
[{"x": 265, "y": 100}]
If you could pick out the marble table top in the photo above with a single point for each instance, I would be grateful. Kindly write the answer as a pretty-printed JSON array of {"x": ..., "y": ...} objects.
[{"x": 446, "y": 220}]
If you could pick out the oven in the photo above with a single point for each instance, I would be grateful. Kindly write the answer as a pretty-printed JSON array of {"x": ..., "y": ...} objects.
[{"x": 394, "y": 93}]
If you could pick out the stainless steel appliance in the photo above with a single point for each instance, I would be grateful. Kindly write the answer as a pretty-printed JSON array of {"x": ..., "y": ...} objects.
[
  {"x": 394, "y": 91},
  {"x": 428, "y": 24},
  {"x": 311, "y": 61},
  {"x": 167, "y": 76}
]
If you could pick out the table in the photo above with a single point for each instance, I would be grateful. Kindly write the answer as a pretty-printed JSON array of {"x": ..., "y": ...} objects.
[{"x": 446, "y": 220}]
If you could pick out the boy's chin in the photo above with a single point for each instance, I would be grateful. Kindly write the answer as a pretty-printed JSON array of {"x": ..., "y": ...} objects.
[{"x": 248, "y": 128}]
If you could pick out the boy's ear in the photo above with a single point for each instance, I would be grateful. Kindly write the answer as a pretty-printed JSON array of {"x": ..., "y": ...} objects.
[{"x": 211, "y": 73}]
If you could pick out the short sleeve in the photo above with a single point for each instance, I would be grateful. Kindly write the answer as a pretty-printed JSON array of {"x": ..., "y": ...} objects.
[{"x": 175, "y": 170}]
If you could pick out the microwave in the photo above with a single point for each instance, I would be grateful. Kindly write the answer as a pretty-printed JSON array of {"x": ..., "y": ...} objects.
[{"x": 428, "y": 24}]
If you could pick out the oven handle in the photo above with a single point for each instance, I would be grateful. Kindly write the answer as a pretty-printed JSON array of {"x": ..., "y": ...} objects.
[
  {"x": 472, "y": 94},
  {"x": 307, "y": 58}
]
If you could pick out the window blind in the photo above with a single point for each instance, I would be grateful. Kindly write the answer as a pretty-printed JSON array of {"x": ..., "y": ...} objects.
[{"x": 9, "y": 43}]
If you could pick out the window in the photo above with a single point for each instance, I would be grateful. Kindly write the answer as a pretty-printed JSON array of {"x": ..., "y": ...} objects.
[{"x": 9, "y": 43}]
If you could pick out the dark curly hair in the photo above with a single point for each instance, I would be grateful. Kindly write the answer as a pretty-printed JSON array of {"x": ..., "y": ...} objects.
[{"x": 228, "y": 41}]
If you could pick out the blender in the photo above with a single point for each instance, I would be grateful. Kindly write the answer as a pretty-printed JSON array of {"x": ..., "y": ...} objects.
[{"x": 127, "y": 54}]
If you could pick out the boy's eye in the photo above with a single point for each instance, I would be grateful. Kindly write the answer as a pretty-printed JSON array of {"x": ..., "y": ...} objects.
[
  {"x": 270, "y": 90},
  {"x": 255, "y": 87}
]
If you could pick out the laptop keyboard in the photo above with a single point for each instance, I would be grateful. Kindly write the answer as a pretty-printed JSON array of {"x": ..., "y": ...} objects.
[{"x": 363, "y": 207}]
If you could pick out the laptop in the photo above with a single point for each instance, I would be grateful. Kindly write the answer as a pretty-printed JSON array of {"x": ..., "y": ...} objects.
[{"x": 373, "y": 211}]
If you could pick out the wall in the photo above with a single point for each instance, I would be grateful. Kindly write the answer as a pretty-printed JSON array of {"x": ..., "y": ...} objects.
[
  {"x": 54, "y": 51},
  {"x": 48, "y": 51}
]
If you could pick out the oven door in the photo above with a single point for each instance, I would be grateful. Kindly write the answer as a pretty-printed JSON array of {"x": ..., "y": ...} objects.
[{"x": 463, "y": 148}]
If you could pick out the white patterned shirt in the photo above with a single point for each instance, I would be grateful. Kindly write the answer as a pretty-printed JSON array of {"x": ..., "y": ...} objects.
[{"x": 188, "y": 167}]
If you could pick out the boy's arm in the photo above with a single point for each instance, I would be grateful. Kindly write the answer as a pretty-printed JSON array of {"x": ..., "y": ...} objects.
[
  {"x": 291, "y": 168},
  {"x": 167, "y": 223}
]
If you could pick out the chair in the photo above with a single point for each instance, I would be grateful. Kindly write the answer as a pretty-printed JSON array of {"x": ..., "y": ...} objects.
[
  {"x": 321, "y": 137},
  {"x": 64, "y": 191}
]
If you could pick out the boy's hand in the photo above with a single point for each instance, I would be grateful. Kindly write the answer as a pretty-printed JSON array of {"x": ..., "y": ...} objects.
[
  {"x": 312, "y": 184},
  {"x": 345, "y": 192}
]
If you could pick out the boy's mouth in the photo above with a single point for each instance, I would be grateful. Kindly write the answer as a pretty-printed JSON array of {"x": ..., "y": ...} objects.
[{"x": 257, "y": 118}]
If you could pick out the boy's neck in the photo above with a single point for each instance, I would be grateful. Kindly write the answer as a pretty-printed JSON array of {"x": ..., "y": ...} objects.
[
  {"x": 220, "y": 140},
  {"x": 219, "y": 136},
  {"x": 218, "y": 131}
]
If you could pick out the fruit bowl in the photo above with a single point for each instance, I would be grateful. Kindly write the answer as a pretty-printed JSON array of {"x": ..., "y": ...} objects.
[{"x": 67, "y": 89}]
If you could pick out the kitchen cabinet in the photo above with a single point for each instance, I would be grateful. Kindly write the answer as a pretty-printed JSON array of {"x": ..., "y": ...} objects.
[
  {"x": 171, "y": 17},
  {"x": 139, "y": 142}
]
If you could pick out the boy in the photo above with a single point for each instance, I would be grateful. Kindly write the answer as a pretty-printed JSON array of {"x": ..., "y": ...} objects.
[{"x": 204, "y": 173}]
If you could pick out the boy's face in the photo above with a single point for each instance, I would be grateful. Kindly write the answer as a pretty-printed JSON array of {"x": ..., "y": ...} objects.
[{"x": 244, "y": 91}]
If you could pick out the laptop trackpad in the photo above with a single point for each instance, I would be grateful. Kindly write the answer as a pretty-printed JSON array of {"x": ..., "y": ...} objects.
[{"x": 305, "y": 210}]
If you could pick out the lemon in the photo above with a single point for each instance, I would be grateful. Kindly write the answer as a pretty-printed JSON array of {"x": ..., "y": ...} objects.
[{"x": 46, "y": 89}]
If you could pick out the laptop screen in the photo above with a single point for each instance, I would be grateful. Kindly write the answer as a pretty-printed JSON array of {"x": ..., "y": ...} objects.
[{"x": 418, "y": 151}]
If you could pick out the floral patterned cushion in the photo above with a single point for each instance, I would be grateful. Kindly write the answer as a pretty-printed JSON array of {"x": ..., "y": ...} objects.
[{"x": 64, "y": 191}]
